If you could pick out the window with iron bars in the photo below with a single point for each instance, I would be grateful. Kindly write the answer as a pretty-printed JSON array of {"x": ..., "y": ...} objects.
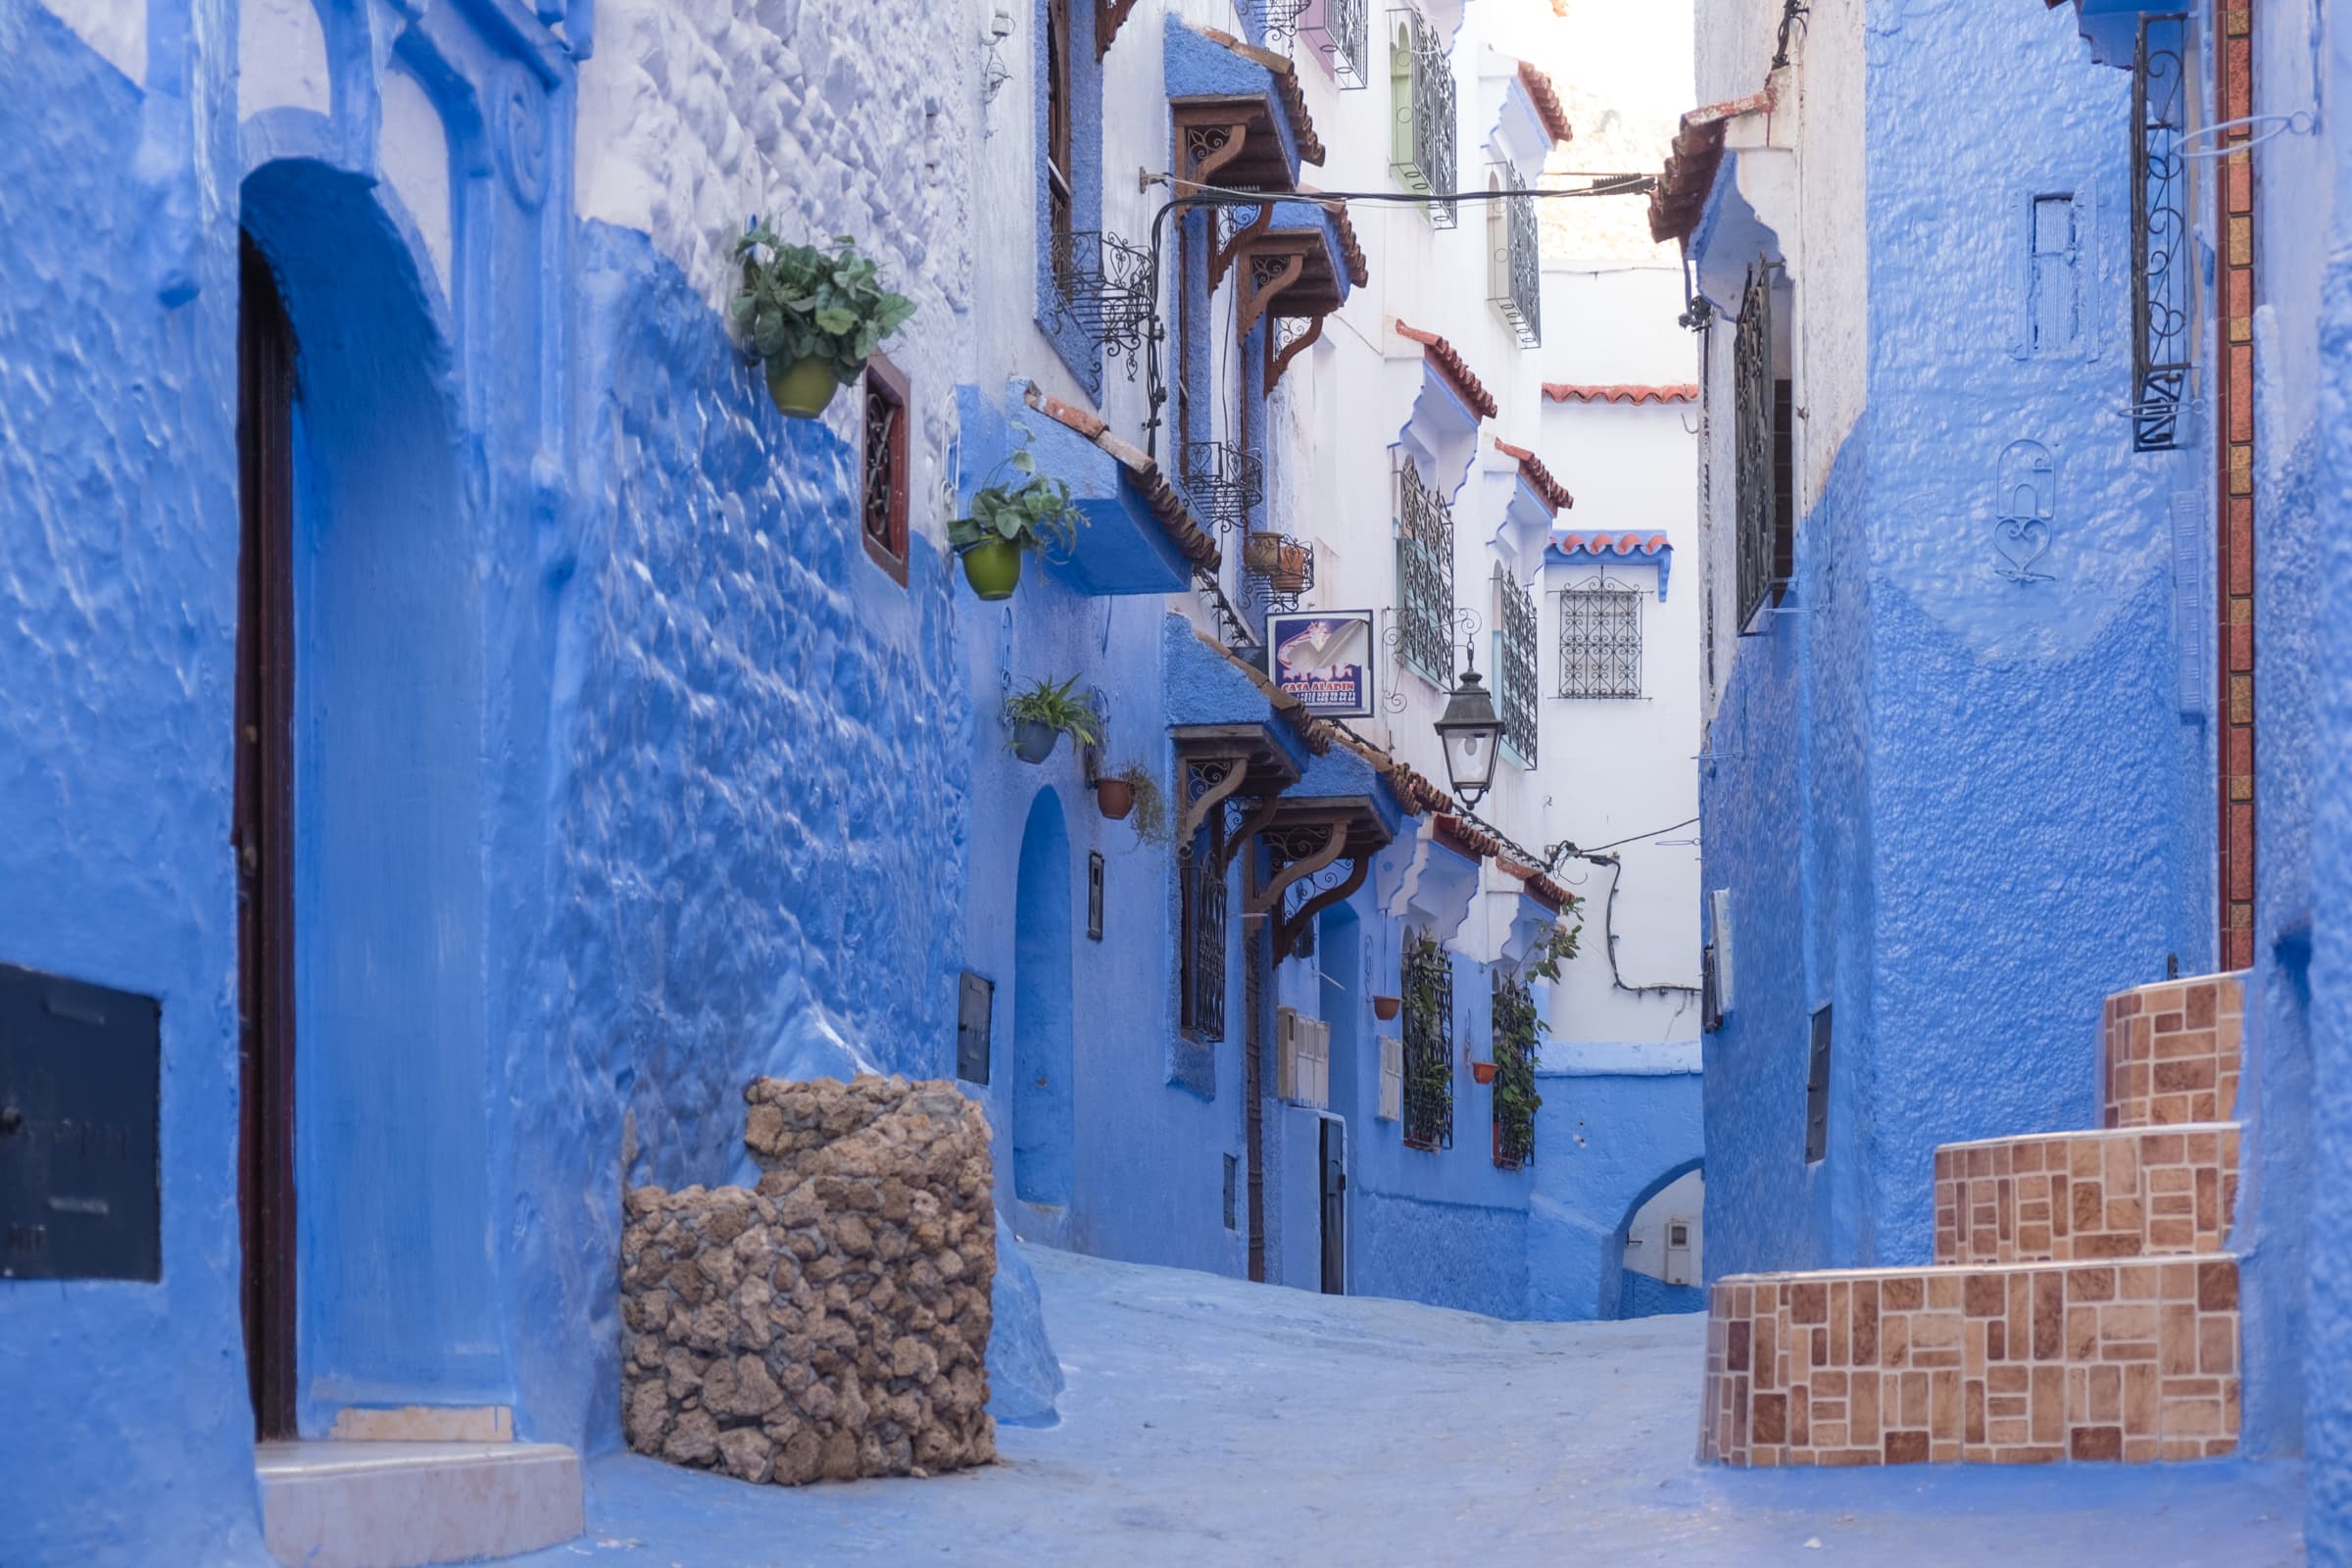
[
  {"x": 2163, "y": 291},
  {"x": 1424, "y": 576},
  {"x": 1516, "y": 1027},
  {"x": 1515, "y": 675},
  {"x": 1428, "y": 986},
  {"x": 1421, "y": 103},
  {"x": 1600, "y": 640},
  {"x": 1201, "y": 980},
  {"x": 1764, "y": 470},
  {"x": 1515, "y": 259},
  {"x": 883, "y": 506},
  {"x": 1345, "y": 36}
]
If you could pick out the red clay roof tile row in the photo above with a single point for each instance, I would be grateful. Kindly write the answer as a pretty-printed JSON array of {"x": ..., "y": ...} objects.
[
  {"x": 1682, "y": 190},
  {"x": 1539, "y": 478},
  {"x": 1619, "y": 392},
  {"x": 1607, "y": 544},
  {"x": 1168, "y": 507},
  {"x": 1547, "y": 102},
  {"x": 1286, "y": 88},
  {"x": 1454, "y": 368}
]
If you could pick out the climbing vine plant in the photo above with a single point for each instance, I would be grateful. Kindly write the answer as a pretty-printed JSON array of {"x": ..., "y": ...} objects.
[
  {"x": 1427, "y": 1044},
  {"x": 1517, "y": 1030}
]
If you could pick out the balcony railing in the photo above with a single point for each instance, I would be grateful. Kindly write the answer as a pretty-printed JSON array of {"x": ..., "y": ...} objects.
[
  {"x": 1275, "y": 22},
  {"x": 1344, "y": 33},
  {"x": 1424, "y": 576},
  {"x": 1421, "y": 80},
  {"x": 1104, "y": 292},
  {"x": 1515, "y": 263},
  {"x": 1276, "y": 569},
  {"x": 1224, "y": 482}
]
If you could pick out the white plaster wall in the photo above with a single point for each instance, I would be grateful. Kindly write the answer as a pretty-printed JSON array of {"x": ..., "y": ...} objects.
[
  {"x": 1614, "y": 767},
  {"x": 414, "y": 151},
  {"x": 115, "y": 28},
  {"x": 1646, "y": 1236},
  {"x": 832, "y": 117},
  {"x": 281, "y": 60}
]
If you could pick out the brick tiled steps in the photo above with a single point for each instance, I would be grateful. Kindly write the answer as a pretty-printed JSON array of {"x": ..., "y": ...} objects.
[{"x": 2080, "y": 1308}]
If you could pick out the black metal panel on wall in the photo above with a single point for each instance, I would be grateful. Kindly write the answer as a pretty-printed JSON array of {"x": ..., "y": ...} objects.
[{"x": 79, "y": 1071}]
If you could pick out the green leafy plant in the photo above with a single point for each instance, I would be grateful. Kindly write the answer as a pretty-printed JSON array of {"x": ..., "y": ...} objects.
[
  {"x": 1034, "y": 512},
  {"x": 1150, "y": 818},
  {"x": 1558, "y": 946},
  {"x": 1517, "y": 1030},
  {"x": 813, "y": 301},
  {"x": 1057, "y": 707}
]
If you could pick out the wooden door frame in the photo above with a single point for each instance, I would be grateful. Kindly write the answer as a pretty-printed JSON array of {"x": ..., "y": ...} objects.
[{"x": 262, "y": 838}]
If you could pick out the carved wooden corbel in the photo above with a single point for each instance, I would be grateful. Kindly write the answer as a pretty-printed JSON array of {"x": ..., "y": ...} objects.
[
  {"x": 1267, "y": 276},
  {"x": 1279, "y": 360},
  {"x": 1221, "y": 257}
]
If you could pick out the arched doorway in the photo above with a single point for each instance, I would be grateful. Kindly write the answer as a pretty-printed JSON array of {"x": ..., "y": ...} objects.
[
  {"x": 1341, "y": 1000},
  {"x": 1656, "y": 1254},
  {"x": 360, "y": 747},
  {"x": 1043, "y": 1108}
]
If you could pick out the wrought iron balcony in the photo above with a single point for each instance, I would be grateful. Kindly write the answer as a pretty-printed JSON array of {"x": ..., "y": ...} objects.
[
  {"x": 1421, "y": 76},
  {"x": 1277, "y": 568},
  {"x": 1224, "y": 482},
  {"x": 1424, "y": 631},
  {"x": 1103, "y": 288},
  {"x": 1344, "y": 36},
  {"x": 1516, "y": 261}
]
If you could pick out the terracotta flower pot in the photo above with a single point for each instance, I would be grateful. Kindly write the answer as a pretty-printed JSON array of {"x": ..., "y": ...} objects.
[
  {"x": 1289, "y": 570},
  {"x": 1263, "y": 552},
  {"x": 1483, "y": 1071},
  {"x": 801, "y": 388},
  {"x": 1033, "y": 742},
  {"x": 1114, "y": 797},
  {"x": 1385, "y": 1007},
  {"x": 993, "y": 568}
]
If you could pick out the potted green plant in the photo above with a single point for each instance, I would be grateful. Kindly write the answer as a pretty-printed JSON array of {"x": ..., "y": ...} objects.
[
  {"x": 1011, "y": 516},
  {"x": 1133, "y": 790},
  {"x": 1044, "y": 713},
  {"x": 812, "y": 314}
]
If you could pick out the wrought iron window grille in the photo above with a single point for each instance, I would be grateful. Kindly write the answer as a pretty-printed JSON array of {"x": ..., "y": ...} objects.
[
  {"x": 1224, "y": 481},
  {"x": 1515, "y": 260},
  {"x": 1515, "y": 1028},
  {"x": 882, "y": 511},
  {"x": 1425, "y": 616},
  {"x": 1763, "y": 450},
  {"x": 1203, "y": 896},
  {"x": 1103, "y": 293},
  {"x": 1345, "y": 38},
  {"x": 1276, "y": 569},
  {"x": 1276, "y": 21},
  {"x": 1600, "y": 640},
  {"x": 1422, "y": 102},
  {"x": 1428, "y": 987},
  {"x": 1515, "y": 678},
  {"x": 2163, "y": 289}
]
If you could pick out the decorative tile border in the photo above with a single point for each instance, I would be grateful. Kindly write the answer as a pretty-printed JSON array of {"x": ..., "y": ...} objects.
[
  {"x": 2127, "y": 1193},
  {"x": 2027, "y": 1364},
  {"x": 2171, "y": 1052}
]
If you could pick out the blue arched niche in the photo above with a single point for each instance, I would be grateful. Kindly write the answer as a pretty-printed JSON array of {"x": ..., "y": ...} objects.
[
  {"x": 1042, "y": 1109},
  {"x": 396, "y": 1283}
]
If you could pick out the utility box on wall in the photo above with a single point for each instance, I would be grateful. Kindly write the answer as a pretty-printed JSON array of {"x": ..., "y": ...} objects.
[{"x": 79, "y": 1184}]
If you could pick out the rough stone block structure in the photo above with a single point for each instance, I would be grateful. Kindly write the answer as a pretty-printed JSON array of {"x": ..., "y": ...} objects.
[{"x": 834, "y": 1322}]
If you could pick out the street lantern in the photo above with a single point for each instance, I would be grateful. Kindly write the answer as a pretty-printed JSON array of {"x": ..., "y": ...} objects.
[{"x": 1470, "y": 731}]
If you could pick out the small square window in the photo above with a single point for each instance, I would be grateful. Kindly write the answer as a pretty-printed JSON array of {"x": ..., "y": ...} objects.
[{"x": 882, "y": 510}]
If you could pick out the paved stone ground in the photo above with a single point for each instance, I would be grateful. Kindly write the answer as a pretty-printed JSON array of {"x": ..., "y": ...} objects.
[{"x": 1212, "y": 1422}]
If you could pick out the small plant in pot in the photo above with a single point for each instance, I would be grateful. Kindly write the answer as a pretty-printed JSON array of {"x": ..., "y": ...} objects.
[
  {"x": 1018, "y": 509},
  {"x": 812, "y": 314},
  {"x": 1044, "y": 713},
  {"x": 1133, "y": 792}
]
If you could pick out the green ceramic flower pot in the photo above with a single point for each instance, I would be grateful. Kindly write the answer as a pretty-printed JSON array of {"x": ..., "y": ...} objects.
[
  {"x": 993, "y": 568},
  {"x": 801, "y": 388}
]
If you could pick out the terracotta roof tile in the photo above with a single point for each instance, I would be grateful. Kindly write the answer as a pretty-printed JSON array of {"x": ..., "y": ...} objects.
[
  {"x": 1286, "y": 88},
  {"x": 1539, "y": 885},
  {"x": 1357, "y": 273},
  {"x": 1547, "y": 102},
  {"x": 1608, "y": 544},
  {"x": 1539, "y": 478},
  {"x": 1168, "y": 505},
  {"x": 1454, "y": 368},
  {"x": 1475, "y": 842},
  {"x": 1619, "y": 392},
  {"x": 1680, "y": 193}
]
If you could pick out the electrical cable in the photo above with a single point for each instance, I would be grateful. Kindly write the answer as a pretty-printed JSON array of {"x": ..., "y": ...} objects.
[{"x": 1572, "y": 848}]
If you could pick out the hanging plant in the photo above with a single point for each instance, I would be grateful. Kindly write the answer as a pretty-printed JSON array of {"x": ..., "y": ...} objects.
[
  {"x": 813, "y": 314},
  {"x": 1019, "y": 511},
  {"x": 1558, "y": 946},
  {"x": 1044, "y": 713},
  {"x": 1134, "y": 795}
]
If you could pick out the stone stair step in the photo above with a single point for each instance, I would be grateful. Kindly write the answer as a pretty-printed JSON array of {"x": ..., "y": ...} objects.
[
  {"x": 2020, "y": 1363},
  {"x": 2170, "y": 1051},
  {"x": 2126, "y": 1191},
  {"x": 376, "y": 1504}
]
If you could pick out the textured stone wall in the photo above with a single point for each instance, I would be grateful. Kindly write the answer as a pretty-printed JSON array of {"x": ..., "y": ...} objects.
[{"x": 833, "y": 1323}]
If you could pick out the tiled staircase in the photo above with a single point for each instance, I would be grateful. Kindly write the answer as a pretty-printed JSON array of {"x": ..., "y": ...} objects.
[{"x": 2080, "y": 1306}]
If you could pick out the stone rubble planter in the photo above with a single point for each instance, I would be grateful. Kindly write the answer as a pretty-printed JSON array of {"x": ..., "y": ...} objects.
[{"x": 833, "y": 1323}]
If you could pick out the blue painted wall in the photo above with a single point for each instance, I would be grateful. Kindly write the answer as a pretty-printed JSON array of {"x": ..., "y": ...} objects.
[
  {"x": 1606, "y": 1144},
  {"x": 1957, "y": 808}
]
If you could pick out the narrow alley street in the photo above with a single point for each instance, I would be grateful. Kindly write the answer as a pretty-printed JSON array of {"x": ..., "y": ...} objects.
[{"x": 1209, "y": 1421}]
